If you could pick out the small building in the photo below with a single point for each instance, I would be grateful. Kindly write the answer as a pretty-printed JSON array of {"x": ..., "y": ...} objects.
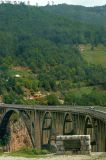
[{"x": 17, "y": 76}]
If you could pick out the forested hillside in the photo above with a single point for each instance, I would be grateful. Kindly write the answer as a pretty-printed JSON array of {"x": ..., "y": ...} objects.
[
  {"x": 40, "y": 54},
  {"x": 89, "y": 15}
]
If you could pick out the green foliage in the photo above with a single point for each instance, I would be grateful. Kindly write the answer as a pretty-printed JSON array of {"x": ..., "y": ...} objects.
[
  {"x": 96, "y": 56},
  {"x": 15, "y": 117},
  {"x": 5, "y": 140},
  {"x": 12, "y": 97},
  {"x": 89, "y": 15},
  {"x": 49, "y": 49},
  {"x": 52, "y": 100},
  {"x": 28, "y": 152},
  {"x": 90, "y": 99}
]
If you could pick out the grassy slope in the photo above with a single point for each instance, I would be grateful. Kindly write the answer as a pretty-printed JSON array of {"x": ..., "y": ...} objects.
[
  {"x": 96, "y": 56},
  {"x": 87, "y": 90},
  {"x": 27, "y": 153}
]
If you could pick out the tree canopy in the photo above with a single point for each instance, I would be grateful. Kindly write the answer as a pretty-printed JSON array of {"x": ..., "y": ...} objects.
[{"x": 46, "y": 40}]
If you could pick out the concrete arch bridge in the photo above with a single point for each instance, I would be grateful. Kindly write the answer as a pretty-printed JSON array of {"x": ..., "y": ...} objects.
[{"x": 44, "y": 123}]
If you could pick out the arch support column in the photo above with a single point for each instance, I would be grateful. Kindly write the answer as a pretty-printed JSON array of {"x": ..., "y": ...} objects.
[
  {"x": 46, "y": 130},
  {"x": 37, "y": 130},
  {"x": 68, "y": 125}
]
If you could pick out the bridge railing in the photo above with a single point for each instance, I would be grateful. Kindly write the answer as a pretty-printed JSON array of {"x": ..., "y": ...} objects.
[{"x": 96, "y": 111}]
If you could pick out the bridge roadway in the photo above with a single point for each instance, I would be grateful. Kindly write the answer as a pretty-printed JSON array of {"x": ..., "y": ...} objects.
[{"x": 96, "y": 111}]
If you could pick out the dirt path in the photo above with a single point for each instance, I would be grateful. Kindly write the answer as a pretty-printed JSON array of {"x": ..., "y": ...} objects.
[{"x": 94, "y": 156}]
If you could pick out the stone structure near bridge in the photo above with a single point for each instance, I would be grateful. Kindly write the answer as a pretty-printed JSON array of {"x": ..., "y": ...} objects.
[
  {"x": 79, "y": 144},
  {"x": 45, "y": 123}
]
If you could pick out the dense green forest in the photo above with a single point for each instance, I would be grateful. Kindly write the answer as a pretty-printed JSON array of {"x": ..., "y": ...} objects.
[
  {"x": 88, "y": 15},
  {"x": 40, "y": 54}
]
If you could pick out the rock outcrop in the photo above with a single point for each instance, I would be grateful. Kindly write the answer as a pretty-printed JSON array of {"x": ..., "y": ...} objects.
[{"x": 19, "y": 136}]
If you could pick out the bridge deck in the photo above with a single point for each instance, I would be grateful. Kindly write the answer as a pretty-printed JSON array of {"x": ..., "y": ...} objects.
[{"x": 96, "y": 111}]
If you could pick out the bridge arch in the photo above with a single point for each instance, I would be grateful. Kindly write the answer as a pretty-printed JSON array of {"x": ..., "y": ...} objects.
[
  {"x": 88, "y": 123},
  {"x": 68, "y": 124},
  {"x": 46, "y": 130},
  {"x": 90, "y": 129},
  {"x": 5, "y": 121}
]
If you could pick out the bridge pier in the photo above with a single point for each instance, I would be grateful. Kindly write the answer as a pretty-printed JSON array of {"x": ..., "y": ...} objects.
[
  {"x": 37, "y": 130},
  {"x": 80, "y": 122},
  {"x": 101, "y": 136}
]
